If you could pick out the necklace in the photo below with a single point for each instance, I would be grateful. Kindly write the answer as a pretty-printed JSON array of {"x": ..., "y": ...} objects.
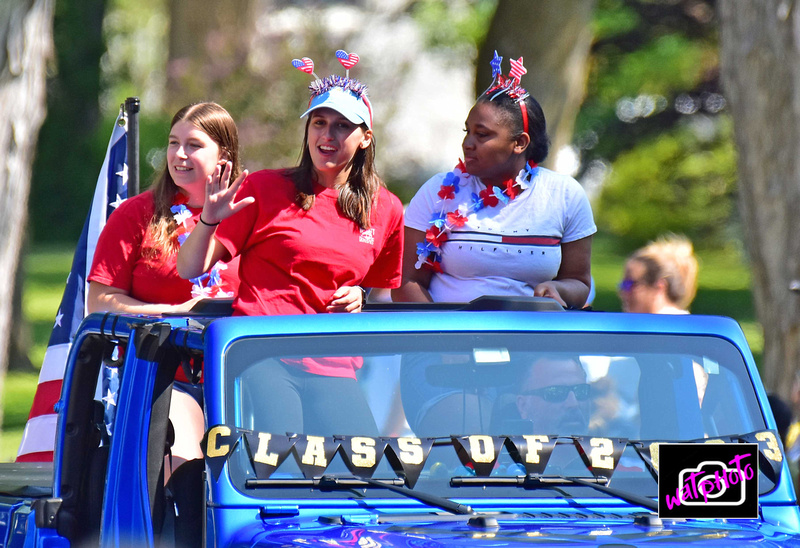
[
  {"x": 429, "y": 252},
  {"x": 208, "y": 285}
]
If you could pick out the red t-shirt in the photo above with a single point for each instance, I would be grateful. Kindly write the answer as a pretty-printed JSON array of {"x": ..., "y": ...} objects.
[
  {"x": 120, "y": 262},
  {"x": 292, "y": 261}
]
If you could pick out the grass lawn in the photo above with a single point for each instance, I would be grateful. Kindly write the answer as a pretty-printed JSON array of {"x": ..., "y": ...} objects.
[
  {"x": 724, "y": 290},
  {"x": 46, "y": 273}
]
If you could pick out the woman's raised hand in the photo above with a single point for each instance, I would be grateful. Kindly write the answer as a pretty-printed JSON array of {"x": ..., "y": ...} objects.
[{"x": 221, "y": 194}]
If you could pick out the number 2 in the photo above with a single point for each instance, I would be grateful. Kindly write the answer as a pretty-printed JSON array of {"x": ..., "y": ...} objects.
[{"x": 602, "y": 452}]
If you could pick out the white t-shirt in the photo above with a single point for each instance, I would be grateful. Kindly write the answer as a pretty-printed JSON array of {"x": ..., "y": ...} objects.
[{"x": 507, "y": 249}]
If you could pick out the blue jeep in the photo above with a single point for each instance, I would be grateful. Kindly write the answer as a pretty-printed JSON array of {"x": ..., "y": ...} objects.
[{"x": 505, "y": 422}]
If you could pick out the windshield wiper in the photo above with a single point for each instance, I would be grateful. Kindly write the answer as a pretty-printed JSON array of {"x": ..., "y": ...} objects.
[
  {"x": 426, "y": 498},
  {"x": 324, "y": 483},
  {"x": 331, "y": 483},
  {"x": 535, "y": 481}
]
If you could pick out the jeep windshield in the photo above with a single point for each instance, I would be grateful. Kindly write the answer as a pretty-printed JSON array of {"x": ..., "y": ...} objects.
[{"x": 446, "y": 412}]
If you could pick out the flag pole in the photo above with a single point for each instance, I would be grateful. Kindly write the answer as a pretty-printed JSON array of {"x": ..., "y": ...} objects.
[{"x": 132, "y": 110}]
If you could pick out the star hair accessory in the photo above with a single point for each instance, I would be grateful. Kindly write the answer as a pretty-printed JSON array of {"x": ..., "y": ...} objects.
[
  {"x": 509, "y": 85},
  {"x": 345, "y": 95}
]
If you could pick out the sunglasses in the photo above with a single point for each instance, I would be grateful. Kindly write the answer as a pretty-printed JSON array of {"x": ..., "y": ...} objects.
[
  {"x": 559, "y": 393},
  {"x": 627, "y": 284}
]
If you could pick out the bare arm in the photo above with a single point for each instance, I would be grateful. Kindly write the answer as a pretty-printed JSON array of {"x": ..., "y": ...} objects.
[
  {"x": 202, "y": 250},
  {"x": 199, "y": 252},
  {"x": 572, "y": 284},
  {"x": 414, "y": 287},
  {"x": 379, "y": 295},
  {"x": 105, "y": 298}
]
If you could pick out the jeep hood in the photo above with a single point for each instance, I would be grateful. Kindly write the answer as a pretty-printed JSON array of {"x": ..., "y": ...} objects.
[{"x": 447, "y": 531}]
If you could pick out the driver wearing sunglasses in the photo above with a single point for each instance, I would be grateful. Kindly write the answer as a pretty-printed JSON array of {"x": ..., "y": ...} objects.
[{"x": 555, "y": 397}]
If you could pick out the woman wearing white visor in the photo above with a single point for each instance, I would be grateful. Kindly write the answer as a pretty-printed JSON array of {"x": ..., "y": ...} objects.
[{"x": 307, "y": 238}]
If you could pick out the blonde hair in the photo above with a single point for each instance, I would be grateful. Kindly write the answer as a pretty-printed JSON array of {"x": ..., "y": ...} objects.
[{"x": 671, "y": 258}]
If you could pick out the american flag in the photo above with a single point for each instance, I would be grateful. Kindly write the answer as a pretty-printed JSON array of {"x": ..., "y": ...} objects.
[
  {"x": 38, "y": 438},
  {"x": 517, "y": 70}
]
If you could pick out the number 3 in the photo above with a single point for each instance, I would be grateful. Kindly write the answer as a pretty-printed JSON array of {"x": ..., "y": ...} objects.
[{"x": 773, "y": 451}]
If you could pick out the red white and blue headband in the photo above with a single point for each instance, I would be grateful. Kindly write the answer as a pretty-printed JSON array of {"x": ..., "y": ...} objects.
[
  {"x": 345, "y": 95},
  {"x": 510, "y": 85}
]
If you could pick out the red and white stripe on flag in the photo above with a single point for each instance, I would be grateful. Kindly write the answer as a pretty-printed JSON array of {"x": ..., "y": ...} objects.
[{"x": 38, "y": 438}]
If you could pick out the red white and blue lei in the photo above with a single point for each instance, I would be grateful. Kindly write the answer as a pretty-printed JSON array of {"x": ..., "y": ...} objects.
[
  {"x": 213, "y": 288},
  {"x": 429, "y": 252}
]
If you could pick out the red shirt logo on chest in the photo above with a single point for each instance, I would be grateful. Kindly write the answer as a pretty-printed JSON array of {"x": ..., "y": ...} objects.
[{"x": 367, "y": 236}]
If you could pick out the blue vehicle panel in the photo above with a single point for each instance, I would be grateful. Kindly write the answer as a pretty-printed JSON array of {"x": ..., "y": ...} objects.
[{"x": 405, "y": 427}]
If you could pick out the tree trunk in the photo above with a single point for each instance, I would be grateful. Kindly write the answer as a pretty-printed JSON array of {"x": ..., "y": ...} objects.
[
  {"x": 553, "y": 38},
  {"x": 21, "y": 335},
  {"x": 26, "y": 41},
  {"x": 761, "y": 77},
  {"x": 208, "y": 43},
  {"x": 64, "y": 170}
]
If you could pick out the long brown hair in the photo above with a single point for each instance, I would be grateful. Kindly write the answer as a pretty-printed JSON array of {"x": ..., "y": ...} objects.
[
  {"x": 218, "y": 124},
  {"x": 356, "y": 196}
]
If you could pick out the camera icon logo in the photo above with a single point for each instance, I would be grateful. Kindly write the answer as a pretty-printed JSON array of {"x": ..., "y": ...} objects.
[
  {"x": 712, "y": 483},
  {"x": 708, "y": 480}
]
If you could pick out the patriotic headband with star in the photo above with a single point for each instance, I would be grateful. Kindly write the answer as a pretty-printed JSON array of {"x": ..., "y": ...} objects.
[
  {"x": 509, "y": 85},
  {"x": 345, "y": 95}
]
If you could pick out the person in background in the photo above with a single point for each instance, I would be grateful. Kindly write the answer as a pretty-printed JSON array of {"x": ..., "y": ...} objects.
[
  {"x": 660, "y": 278},
  {"x": 499, "y": 223},
  {"x": 308, "y": 237}
]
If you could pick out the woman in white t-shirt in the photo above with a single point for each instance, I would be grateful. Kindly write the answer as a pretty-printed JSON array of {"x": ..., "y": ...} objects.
[{"x": 499, "y": 224}]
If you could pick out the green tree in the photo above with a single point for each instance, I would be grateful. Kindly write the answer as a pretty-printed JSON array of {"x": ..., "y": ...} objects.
[
  {"x": 760, "y": 71},
  {"x": 654, "y": 101},
  {"x": 553, "y": 38},
  {"x": 680, "y": 181},
  {"x": 26, "y": 40},
  {"x": 70, "y": 148}
]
